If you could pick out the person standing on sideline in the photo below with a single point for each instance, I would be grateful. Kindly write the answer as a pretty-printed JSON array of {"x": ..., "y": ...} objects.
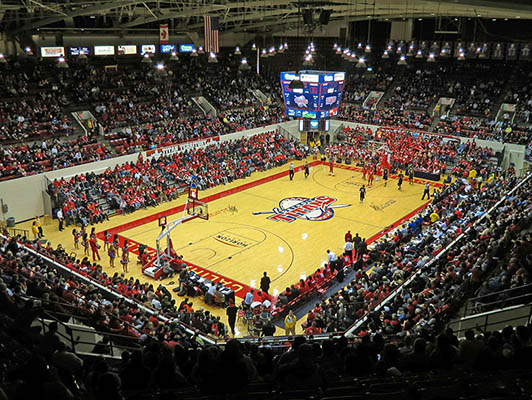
[
  {"x": 38, "y": 224},
  {"x": 76, "y": 236},
  {"x": 411, "y": 176},
  {"x": 85, "y": 243},
  {"x": 124, "y": 261},
  {"x": 362, "y": 194},
  {"x": 426, "y": 192},
  {"x": 385, "y": 176},
  {"x": 111, "y": 252},
  {"x": 61, "y": 218},
  {"x": 290, "y": 324},
  {"x": 348, "y": 237},
  {"x": 307, "y": 172},
  {"x": 331, "y": 257},
  {"x": 35, "y": 230},
  {"x": 93, "y": 242},
  {"x": 399, "y": 181},
  {"x": 291, "y": 170},
  {"x": 362, "y": 248},
  {"x": 248, "y": 299},
  {"x": 231, "y": 312},
  {"x": 106, "y": 240},
  {"x": 125, "y": 250},
  {"x": 265, "y": 283}
]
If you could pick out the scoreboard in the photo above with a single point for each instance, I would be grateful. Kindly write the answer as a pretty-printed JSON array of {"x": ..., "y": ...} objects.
[{"x": 320, "y": 97}]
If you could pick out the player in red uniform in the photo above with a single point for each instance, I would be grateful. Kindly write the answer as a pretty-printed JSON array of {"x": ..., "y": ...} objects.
[{"x": 331, "y": 165}]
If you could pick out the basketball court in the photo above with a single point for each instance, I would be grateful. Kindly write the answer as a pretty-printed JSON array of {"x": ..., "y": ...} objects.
[
  {"x": 265, "y": 223},
  {"x": 279, "y": 226}
]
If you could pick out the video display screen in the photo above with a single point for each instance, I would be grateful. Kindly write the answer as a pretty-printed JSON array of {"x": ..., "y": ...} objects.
[{"x": 320, "y": 97}]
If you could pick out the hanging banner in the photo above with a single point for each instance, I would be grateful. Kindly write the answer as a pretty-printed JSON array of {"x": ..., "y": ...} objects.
[{"x": 164, "y": 35}]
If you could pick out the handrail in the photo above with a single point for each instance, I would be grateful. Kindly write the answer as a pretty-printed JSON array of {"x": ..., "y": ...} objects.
[
  {"x": 486, "y": 317},
  {"x": 113, "y": 292},
  {"x": 392, "y": 295},
  {"x": 75, "y": 341},
  {"x": 70, "y": 306},
  {"x": 501, "y": 291},
  {"x": 508, "y": 300}
]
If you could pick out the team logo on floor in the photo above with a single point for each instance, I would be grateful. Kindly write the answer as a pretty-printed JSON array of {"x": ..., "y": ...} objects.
[{"x": 319, "y": 208}]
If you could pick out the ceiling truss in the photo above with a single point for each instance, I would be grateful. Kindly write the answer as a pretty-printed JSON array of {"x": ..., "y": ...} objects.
[{"x": 235, "y": 16}]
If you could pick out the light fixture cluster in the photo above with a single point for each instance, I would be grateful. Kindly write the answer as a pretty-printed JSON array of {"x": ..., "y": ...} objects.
[
  {"x": 309, "y": 53},
  {"x": 351, "y": 56},
  {"x": 263, "y": 53}
]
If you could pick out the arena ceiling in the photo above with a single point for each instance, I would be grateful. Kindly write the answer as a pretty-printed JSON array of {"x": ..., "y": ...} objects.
[{"x": 28, "y": 16}]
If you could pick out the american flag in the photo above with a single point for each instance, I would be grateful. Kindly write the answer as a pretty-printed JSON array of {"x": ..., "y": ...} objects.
[{"x": 210, "y": 30}]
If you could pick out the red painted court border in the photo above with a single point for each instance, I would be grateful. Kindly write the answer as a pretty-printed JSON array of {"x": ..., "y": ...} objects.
[{"x": 239, "y": 288}]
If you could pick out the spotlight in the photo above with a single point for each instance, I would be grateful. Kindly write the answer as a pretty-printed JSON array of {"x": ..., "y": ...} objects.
[
  {"x": 237, "y": 50},
  {"x": 419, "y": 54},
  {"x": 160, "y": 71},
  {"x": 385, "y": 54},
  {"x": 431, "y": 58},
  {"x": 402, "y": 60},
  {"x": 212, "y": 58},
  {"x": 146, "y": 59},
  {"x": 173, "y": 56},
  {"x": 244, "y": 66},
  {"x": 367, "y": 49},
  {"x": 61, "y": 63},
  {"x": 361, "y": 63}
]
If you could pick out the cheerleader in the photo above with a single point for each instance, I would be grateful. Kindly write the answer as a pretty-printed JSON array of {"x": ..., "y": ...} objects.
[
  {"x": 125, "y": 250},
  {"x": 111, "y": 252},
  {"x": 124, "y": 261},
  {"x": 85, "y": 244},
  {"x": 76, "y": 235},
  {"x": 106, "y": 240}
]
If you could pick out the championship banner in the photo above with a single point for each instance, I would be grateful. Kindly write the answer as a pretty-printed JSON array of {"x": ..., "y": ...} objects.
[{"x": 164, "y": 35}]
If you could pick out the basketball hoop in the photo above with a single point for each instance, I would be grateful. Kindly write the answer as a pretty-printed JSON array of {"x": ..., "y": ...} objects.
[{"x": 193, "y": 209}]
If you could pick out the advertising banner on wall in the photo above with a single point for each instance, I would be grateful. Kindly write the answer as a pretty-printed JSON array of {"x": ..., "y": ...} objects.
[
  {"x": 104, "y": 50},
  {"x": 55, "y": 51}
]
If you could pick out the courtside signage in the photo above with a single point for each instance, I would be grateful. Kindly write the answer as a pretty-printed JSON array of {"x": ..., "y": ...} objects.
[{"x": 319, "y": 208}]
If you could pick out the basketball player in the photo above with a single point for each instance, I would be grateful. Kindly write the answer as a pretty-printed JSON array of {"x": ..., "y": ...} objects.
[
  {"x": 362, "y": 194},
  {"x": 331, "y": 165},
  {"x": 399, "y": 181},
  {"x": 411, "y": 176},
  {"x": 385, "y": 176},
  {"x": 370, "y": 177},
  {"x": 291, "y": 170},
  {"x": 307, "y": 172}
]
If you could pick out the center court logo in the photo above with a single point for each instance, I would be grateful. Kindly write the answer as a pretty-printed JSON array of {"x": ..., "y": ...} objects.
[{"x": 319, "y": 208}]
